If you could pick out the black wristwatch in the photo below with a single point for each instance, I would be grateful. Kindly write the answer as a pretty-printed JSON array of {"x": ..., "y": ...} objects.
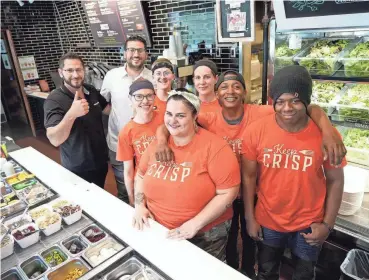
[{"x": 328, "y": 226}]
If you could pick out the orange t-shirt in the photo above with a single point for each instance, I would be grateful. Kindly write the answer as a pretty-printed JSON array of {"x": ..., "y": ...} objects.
[
  {"x": 160, "y": 107},
  {"x": 212, "y": 106},
  {"x": 214, "y": 122},
  {"x": 177, "y": 192},
  {"x": 291, "y": 185},
  {"x": 134, "y": 138}
]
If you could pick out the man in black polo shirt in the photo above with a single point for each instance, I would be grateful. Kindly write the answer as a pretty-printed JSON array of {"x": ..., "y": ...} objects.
[{"x": 73, "y": 121}]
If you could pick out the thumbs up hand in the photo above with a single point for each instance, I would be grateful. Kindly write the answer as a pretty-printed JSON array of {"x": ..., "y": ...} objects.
[{"x": 79, "y": 106}]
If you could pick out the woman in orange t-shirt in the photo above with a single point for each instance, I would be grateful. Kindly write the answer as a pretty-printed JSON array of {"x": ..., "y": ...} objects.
[
  {"x": 192, "y": 196},
  {"x": 205, "y": 76},
  {"x": 162, "y": 71},
  {"x": 138, "y": 133}
]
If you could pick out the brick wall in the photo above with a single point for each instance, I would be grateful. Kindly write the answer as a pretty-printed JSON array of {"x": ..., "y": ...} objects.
[{"x": 47, "y": 29}]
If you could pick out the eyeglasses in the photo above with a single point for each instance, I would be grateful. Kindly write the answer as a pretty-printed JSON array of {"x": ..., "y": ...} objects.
[
  {"x": 133, "y": 50},
  {"x": 70, "y": 71},
  {"x": 141, "y": 97},
  {"x": 159, "y": 74}
]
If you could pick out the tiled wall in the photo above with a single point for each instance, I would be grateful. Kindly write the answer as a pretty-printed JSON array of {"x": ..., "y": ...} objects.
[{"x": 47, "y": 29}]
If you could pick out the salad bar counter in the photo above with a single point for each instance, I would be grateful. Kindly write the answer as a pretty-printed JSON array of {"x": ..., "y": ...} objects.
[{"x": 52, "y": 238}]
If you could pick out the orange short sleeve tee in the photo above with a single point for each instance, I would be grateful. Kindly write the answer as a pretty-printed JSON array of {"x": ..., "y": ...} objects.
[
  {"x": 134, "y": 138},
  {"x": 177, "y": 192},
  {"x": 214, "y": 122},
  {"x": 212, "y": 106},
  {"x": 291, "y": 183},
  {"x": 160, "y": 107}
]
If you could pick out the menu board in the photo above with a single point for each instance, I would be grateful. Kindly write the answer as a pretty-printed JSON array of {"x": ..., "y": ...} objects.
[
  {"x": 112, "y": 21},
  {"x": 297, "y": 9},
  {"x": 133, "y": 19}
]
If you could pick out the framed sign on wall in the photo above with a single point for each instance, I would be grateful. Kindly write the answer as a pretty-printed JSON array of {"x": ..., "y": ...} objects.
[{"x": 235, "y": 20}]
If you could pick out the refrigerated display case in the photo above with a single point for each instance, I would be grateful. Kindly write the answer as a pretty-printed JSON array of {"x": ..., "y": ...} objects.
[{"x": 338, "y": 61}]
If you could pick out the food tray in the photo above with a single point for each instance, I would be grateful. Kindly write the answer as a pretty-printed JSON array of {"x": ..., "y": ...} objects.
[
  {"x": 35, "y": 193},
  {"x": 14, "y": 222},
  {"x": 91, "y": 227},
  {"x": 13, "y": 208},
  {"x": 32, "y": 265},
  {"x": 150, "y": 273},
  {"x": 357, "y": 66},
  {"x": 39, "y": 211},
  {"x": 51, "y": 228},
  {"x": 30, "y": 239},
  {"x": 9, "y": 178},
  {"x": 92, "y": 253},
  {"x": 12, "y": 274},
  {"x": 356, "y": 154},
  {"x": 5, "y": 189},
  {"x": 65, "y": 244},
  {"x": 286, "y": 59},
  {"x": 323, "y": 66},
  {"x": 71, "y": 219},
  {"x": 327, "y": 91},
  {"x": 48, "y": 257},
  {"x": 128, "y": 268},
  {"x": 61, "y": 273},
  {"x": 8, "y": 249},
  {"x": 353, "y": 110}
]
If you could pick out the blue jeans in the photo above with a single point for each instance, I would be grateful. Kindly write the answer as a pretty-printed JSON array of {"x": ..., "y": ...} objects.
[
  {"x": 271, "y": 250},
  {"x": 119, "y": 177}
]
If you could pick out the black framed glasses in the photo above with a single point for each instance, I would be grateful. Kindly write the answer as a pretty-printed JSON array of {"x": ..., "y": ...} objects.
[
  {"x": 70, "y": 70},
  {"x": 141, "y": 97},
  {"x": 133, "y": 50}
]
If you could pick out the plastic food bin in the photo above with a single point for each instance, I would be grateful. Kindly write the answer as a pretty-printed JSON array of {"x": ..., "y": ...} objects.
[
  {"x": 325, "y": 65},
  {"x": 30, "y": 239},
  {"x": 357, "y": 66},
  {"x": 326, "y": 93},
  {"x": 8, "y": 249},
  {"x": 355, "y": 266},
  {"x": 51, "y": 228},
  {"x": 285, "y": 58}
]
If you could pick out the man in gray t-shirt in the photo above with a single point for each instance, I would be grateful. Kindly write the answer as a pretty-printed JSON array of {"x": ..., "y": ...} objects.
[{"x": 115, "y": 89}]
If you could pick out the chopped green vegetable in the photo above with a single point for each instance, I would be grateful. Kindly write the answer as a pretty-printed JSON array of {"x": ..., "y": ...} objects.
[
  {"x": 357, "y": 97},
  {"x": 322, "y": 58},
  {"x": 356, "y": 138},
  {"x": 284, "y": 55},
  {"x": 357, "y": 64},
  {"x": 325, "y": 92}
]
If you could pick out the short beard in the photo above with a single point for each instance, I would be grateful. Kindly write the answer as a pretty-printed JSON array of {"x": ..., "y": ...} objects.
[
  {"x": 136, "y": 68},
  {"x": 69, "y": 84}
]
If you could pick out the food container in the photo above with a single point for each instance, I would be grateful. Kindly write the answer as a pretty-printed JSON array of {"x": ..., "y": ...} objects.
[
  {"x": 71, "y": 271},
  {"x": 54, "y": 256},
  {"x": 151, "y": 274},
  {"x": 11, "y": 204},
  {"x": 128, "y": 269},
  {"x": 357, "y": 144},
  {"x": 40, "y": 211},
  {"x": 356, "y": 59},
  {"x": 284, "y": 55},
  {"x": 5, "y": 189},
  {"x": 34, "y": 267},
  {"x": 74, "y": 245},
  {"x": 49, "y": 223},
  {"x": 69, "y": 211},
  {"x": 353, "y": 102},
  {"x": 28, "y": 240},
  {"x": 93, "y": 234},
  {"x": 16, "y": 222},
  {"x": 325, "y": 93},
  {"x": 322, "y": 56},
  {"x": 24, "y": 184},
  {"x": 18, "y": 178},
  {"x": 12, "y": 274},
  {"x": 104, "y": 250},
  {"x": 3, "y": 231},
  {"x": 35, "y": 193},
  {"x": 7, "y": 246}
]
